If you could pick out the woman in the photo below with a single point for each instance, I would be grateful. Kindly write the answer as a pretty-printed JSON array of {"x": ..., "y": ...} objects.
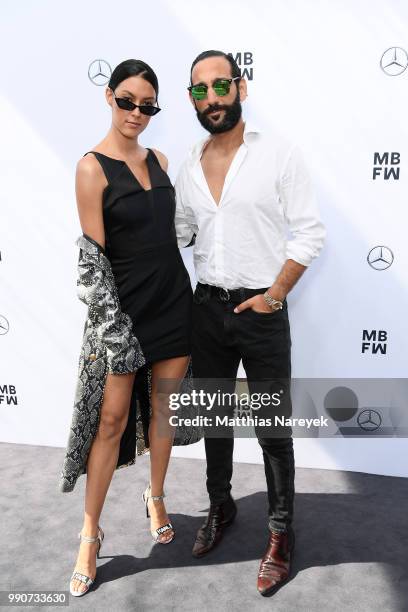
[{"x": 139, "y": 296}]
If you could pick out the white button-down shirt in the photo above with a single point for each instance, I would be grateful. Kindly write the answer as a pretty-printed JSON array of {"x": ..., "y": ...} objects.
[{"x": 243, "y": 241}]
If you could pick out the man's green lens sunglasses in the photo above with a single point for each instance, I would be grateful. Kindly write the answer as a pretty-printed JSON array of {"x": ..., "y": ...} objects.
[{"x": 220, "y": 86}]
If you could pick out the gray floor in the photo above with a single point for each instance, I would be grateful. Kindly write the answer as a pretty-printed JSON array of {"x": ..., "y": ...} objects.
[{"x": 351, "y": 529}]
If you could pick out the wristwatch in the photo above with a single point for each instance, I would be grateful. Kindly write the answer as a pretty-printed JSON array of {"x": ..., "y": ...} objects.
[{"x": 272, "y": 303}]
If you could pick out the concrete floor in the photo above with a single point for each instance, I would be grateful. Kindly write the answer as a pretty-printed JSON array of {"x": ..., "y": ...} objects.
[{"x": 351, "y": 539}]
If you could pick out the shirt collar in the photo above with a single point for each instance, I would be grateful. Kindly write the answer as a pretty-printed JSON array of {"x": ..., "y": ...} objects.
[{"x": 250, "y": 128}]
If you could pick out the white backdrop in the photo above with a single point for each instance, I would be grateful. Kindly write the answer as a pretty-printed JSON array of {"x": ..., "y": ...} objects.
[{"x": 315, "y": 74}]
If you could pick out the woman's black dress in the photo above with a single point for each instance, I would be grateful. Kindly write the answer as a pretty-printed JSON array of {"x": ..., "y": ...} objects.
[{"x": 140, "y": 241}]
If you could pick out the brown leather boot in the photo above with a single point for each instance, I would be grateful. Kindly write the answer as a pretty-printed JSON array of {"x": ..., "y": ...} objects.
[
  {"x": 211, "y": 531},
  {"x": 276, "y": 563}
]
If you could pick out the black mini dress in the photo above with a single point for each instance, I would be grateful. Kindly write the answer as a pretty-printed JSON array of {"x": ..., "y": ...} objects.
[{"x": 153, "y": 283}]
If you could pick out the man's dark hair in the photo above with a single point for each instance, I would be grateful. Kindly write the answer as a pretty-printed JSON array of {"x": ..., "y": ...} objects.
[
  {"x": 235, "y": 69},
  {"x": 133, "y": 67}
]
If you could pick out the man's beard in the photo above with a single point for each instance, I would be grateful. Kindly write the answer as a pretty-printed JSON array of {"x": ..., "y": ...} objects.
[{"x": 232, "y": 115}]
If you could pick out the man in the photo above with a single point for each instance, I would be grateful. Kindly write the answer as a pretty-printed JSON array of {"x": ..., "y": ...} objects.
[{"x": 237, "y": 194}]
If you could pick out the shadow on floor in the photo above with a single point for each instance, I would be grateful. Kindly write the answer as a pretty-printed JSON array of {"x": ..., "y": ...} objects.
[{"x": 331, "y": 529}]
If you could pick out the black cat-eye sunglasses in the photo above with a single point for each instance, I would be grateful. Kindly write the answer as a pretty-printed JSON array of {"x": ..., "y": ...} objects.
[{"x": 145, "y": 109}]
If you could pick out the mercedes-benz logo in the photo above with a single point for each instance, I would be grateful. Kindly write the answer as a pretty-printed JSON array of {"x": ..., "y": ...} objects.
[
  {"x": 370, "y": 420},
  {"x": 380, "y": 257},
  {"x": 99, "y": 72},
  {"x": 4, "y": 325},
  {"x": 394, "y": 61}
]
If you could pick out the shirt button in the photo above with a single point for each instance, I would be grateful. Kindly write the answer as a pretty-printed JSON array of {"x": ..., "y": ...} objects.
[{"x": 92, "y": 356}]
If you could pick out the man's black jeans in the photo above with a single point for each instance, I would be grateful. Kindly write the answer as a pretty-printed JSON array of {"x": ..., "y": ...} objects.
[{"x": 221, "y": 338}]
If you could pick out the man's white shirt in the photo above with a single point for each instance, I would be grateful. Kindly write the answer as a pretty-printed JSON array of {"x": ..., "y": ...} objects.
[{"x": 243, "y": 241}]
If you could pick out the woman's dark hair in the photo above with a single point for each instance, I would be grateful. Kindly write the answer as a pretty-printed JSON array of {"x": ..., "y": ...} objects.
[
  {"x": 133, "y": 67},
  {"x": 235, "y": 69}
]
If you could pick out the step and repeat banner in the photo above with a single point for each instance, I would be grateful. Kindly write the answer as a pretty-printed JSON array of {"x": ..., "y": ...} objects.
[{"x": 332, "y": 77}]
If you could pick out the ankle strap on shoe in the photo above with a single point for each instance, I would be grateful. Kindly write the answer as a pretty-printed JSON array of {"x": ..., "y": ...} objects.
[
  {"x": 154, "y": 497},
  {"x": 91, "y": 539},
  {"x": 157, "y": 497},
  {"x": 87, "y": 538}
]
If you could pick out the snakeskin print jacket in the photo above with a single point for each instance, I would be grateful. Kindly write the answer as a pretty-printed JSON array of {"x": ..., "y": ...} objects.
[{"x": 109, "y": 345}]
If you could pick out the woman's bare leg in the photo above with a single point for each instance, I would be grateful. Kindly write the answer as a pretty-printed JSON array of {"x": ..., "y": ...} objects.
[
  {"x": 102, "y": 460},
  {"x": 161, "y": 433}
]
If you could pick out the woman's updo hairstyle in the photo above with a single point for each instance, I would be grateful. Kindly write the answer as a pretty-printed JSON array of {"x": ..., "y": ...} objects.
[{"x": 133, "y": 67}]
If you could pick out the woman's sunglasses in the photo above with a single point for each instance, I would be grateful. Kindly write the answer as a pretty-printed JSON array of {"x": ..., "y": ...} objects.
[
  {"x": 221, "y": 87},
  {"x": 145, "y": 109}
]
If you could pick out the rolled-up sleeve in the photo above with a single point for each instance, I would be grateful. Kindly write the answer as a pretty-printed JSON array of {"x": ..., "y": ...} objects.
[
  {"x": 184, "y": 230},
  {"x": 301, "y": 210}
]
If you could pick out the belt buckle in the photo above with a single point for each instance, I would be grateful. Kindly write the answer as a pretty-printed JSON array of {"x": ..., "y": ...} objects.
[{"x": 224, "y": 294}]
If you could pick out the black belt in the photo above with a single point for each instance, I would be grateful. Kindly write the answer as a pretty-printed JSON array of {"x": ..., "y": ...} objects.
[{"x": 231, "y": 295}]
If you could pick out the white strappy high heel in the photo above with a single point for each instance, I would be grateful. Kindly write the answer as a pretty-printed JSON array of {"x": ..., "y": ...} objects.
[
  {"x": 82, "y": 577},
  {"x": 160, "y": 530}
]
